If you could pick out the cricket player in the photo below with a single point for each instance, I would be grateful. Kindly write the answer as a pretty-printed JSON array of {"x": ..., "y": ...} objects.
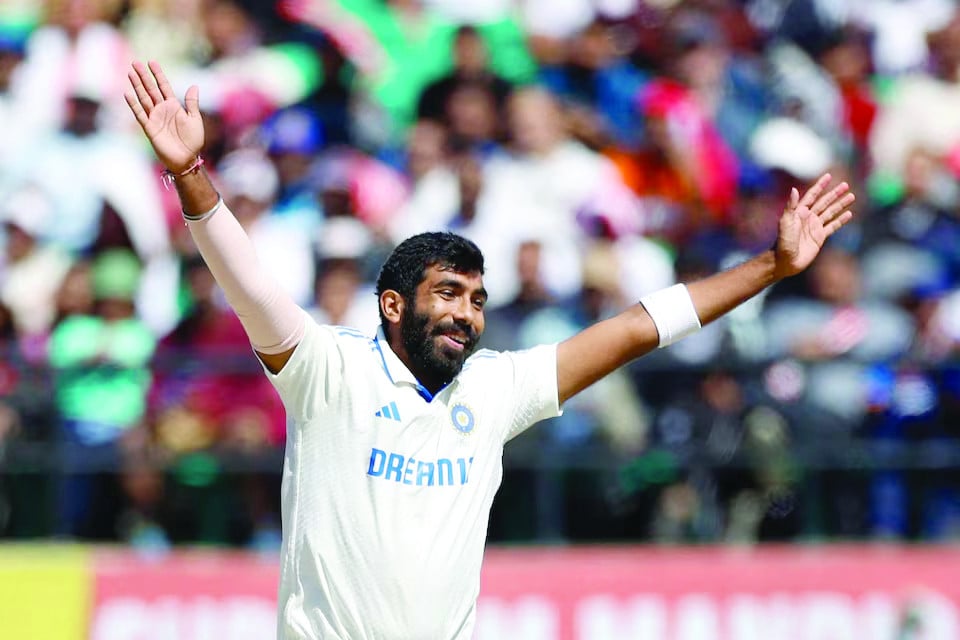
[{"x": 394, "y": 446}]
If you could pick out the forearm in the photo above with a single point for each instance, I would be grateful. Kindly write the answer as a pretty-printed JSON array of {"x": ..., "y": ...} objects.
[
  {"x": 660, "y": 319},
  {"x": 272, "y": 320},
  {"x": 720, "y": 293}
]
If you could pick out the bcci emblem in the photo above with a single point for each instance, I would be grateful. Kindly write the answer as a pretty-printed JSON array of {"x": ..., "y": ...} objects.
[{"x": 462, "y": 418}]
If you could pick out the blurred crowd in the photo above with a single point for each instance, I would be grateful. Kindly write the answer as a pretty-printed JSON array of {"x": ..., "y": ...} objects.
[{"x": 596, "y": 150}]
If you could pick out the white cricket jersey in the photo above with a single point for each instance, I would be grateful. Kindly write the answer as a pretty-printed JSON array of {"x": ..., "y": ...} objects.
[{"x": 386, "y": 491}]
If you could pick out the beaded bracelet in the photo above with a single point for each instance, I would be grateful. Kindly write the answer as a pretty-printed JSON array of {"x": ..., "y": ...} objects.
[
  {"x": 206, "y": 214},
  {"x": 169, "y": 177}
]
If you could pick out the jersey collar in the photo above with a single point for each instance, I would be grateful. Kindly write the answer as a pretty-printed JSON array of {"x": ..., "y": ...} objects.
[{"x": 396, "y": 371}]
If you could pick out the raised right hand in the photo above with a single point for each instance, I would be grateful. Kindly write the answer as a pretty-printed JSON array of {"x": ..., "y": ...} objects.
[{"x": 175, "y": 133}]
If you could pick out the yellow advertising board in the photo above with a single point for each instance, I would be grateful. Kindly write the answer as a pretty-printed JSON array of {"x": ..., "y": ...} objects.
[{"x": 44, "y": 592}]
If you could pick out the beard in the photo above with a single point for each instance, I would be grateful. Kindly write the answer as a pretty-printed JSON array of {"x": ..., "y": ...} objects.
[{"x": 433, "y": 361}]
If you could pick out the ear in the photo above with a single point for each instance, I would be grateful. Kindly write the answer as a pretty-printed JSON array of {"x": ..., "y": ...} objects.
[{"x": 392, "y": 305}]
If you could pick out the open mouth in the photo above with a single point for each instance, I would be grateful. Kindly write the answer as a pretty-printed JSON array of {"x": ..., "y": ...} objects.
[{"x": 454, "y": 341}]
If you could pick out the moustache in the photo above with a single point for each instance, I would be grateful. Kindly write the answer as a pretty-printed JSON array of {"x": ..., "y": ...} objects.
[{"x": 468, "y": 332}]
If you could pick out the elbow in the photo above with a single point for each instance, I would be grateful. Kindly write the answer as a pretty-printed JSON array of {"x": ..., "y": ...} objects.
[{"x": 641, "y": 332}]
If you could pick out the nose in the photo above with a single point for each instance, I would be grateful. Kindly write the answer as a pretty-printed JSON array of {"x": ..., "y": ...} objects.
[{"x": 465, "y": 312}]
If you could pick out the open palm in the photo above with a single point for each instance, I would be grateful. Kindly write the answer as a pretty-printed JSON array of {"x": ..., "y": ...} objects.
[
  {"x": 175, "y": 132},
  {"x": 807, "y": 222}
]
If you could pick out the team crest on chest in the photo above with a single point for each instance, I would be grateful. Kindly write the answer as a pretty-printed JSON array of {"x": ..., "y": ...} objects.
[{"x": 462, "y": 418}]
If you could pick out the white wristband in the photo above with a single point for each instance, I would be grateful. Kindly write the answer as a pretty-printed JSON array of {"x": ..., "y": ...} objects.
[
  {"x": 673, "y": 313},
  {"x": 206, "y": 214}
]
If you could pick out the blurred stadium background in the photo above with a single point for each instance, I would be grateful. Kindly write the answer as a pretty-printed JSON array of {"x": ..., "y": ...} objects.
[{"x": 790, "y": 473}]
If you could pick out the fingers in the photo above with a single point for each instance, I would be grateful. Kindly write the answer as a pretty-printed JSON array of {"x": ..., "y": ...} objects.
[
  {"x": 137, "y": 108},
  {"x": 146, "y": 84},
  {"x": 836, "y": 208},
  {"x": 829, "y": 198},
  {"x": 814, "y": 192},
  {"x": 839, "y": 221},
  {"x": 136, "y": 78},
  {"x": 192, "y": 101},
  {"x": 166, "y": 91}
]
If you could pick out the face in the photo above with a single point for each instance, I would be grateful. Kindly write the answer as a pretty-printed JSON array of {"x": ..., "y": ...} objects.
[
  {"x": 445, "y": 323},
  {"x": 337, "y": 289},
  {"x": 535, "y": 121},
  {"x": 226, "y": 24},
  {"x": 836, "y": 278},
  {"x": 425, "y": 148},
  {"x": 469, "y": 53},
  {"x": 594, "y": 47},
  {"x": 19, "y": 243},
  {"x": 472, "y": 112}
]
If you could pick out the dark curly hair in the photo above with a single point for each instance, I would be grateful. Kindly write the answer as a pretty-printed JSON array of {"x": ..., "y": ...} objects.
[{"x": 405, "y": 268}]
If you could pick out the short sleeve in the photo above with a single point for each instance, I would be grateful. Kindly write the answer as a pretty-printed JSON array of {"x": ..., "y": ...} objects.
[
  {"x": 533, "y": 387},
  {"x": 313, "y": 374}
]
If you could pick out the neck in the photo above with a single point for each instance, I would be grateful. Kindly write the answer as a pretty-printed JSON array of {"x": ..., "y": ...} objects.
[{"x": 430, "y": 382}]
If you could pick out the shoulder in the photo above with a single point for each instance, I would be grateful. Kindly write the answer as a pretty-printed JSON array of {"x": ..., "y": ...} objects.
[
  {"x": 346, "y": 338},
  {"x": 352, "y": 341},
  {"x": 325, "y": 353},
  {"x": 346, "y": 333},
  {"x": 320, "y": 337},
  {"x": 488, "y": 361},
  {"x": 483, "y": 359}
]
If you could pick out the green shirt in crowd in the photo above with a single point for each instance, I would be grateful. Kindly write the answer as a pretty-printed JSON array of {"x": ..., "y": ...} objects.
[
  {"x": 420, "y": 53},
  {"x": 103, "y": 373}
]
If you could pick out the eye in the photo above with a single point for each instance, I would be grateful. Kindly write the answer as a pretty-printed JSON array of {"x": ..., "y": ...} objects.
[
  {"x": 478, "y": 303},
  {"x": 446, "y": 294}
]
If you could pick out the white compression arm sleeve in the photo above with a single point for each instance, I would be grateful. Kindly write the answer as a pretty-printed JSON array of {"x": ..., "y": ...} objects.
[
  {"x": 673, "y": 313},
  {"x": 273, "y": 321}
]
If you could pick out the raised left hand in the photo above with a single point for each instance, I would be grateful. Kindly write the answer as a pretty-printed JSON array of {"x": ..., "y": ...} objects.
[{"x": 807, "y": 222}]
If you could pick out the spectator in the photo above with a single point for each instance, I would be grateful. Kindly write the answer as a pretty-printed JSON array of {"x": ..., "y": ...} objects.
[
  {"x": 840, "y": 334},
  {"x": 15, "y": 109},
  {"x": 293, "y": 137},
  {"x": 331, "y": 100},
  {"x": 434, "y": 188},
  {"x": 400, "y": 46},
  {"x": 354, "y": 183},
  {"x": 909, "y": 246},
  {"x": 470, "y": 66},
  {"x": 250, "y": 184},
  {"x": 726, "y": 83},
  {"x": 78, "y": 197},
  {"x": 922, "y": 113},
  {"x": 560, "y": 185},
  {"x": 160, "y": 30},
  {"x": 598, "y": 85},
  {"x": 473, "y": 118},
  {"x": 102, "y": 379},
  {"x": 32, "y": 270},
  {"x": 684, "y": 174},
  {"x": 846, "y": 59},
  {"x": 194, "y": 406},
  {"x": 77, "y": 35},
  {"x": 344, "y": 295}
]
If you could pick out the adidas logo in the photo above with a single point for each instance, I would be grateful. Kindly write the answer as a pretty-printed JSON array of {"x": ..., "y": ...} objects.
[{"x": 389, "y": 411}]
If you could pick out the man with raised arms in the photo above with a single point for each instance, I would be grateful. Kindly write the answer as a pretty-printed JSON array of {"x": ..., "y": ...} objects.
[{"x": 395, "y": 440}]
